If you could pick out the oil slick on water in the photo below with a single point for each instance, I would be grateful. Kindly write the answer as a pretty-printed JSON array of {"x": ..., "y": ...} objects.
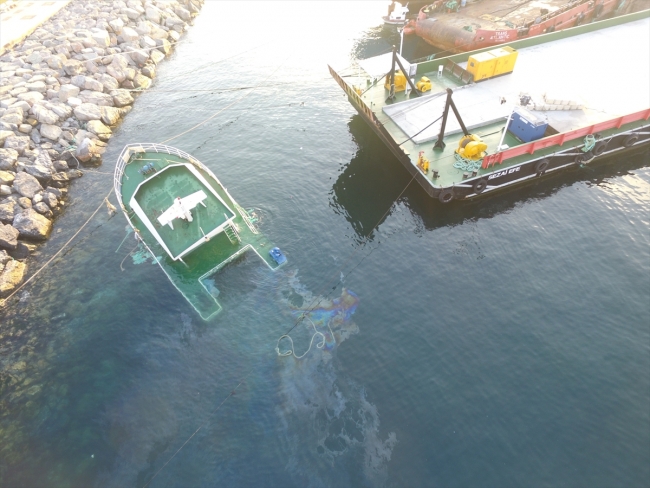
[{"x": 329, "y": 422}]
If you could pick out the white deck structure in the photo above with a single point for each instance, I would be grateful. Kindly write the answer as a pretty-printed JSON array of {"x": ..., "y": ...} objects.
[{"x": 606, "y": 89}]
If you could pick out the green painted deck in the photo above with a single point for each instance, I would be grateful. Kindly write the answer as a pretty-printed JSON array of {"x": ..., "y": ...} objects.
[
  {"x": 194, "y": 275},
  {"x": 158, "y": 193}
]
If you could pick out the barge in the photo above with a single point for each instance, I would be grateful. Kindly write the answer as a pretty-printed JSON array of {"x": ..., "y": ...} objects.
[
  {"x": 536, "y": 107},
  {"x": 186, "y": 220},
  {"x": 460, "y": 26}
]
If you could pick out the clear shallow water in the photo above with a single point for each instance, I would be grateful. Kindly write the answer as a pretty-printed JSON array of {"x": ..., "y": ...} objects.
[{"x": 497, "y": 343}]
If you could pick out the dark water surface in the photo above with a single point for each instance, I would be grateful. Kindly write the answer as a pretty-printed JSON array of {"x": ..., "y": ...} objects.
[{"x": 499, "y": 343}]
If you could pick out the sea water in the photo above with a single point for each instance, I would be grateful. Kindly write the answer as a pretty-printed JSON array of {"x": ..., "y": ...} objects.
[{"x": 498, "y": 343}]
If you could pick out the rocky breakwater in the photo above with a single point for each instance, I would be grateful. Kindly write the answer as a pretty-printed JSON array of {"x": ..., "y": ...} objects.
[{"x": 62, "y": 90}]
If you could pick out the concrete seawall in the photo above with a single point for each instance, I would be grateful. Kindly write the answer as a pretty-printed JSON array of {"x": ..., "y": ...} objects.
[{"x": 62, "y": 90}]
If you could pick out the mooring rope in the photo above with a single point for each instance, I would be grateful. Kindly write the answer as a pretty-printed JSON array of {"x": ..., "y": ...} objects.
[
  {"x": 293, "y": 351},
  {"x": 60, "y": 250}
]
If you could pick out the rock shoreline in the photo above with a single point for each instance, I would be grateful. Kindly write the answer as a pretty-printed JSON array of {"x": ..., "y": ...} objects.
[{"x": 62, "y": 90}]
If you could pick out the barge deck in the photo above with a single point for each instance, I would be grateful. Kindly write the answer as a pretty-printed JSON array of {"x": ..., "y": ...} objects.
[{"x": 600, "y": 83}]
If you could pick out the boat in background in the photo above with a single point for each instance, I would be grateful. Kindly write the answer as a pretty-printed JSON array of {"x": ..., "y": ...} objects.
[
  {"x": 396, "y": 14},
  {"x": 186, "y": 219},
  {"x": 465, "y": 26}
]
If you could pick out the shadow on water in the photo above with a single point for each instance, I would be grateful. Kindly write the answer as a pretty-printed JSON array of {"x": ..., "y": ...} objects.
[{"x": 373, "y": 180}]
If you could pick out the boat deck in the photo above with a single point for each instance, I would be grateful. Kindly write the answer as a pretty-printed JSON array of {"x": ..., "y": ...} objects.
[
  {"x": 158, "y": 193},
  {"x": 194, "y": 275},
  {"x": 599, "y": 69}
]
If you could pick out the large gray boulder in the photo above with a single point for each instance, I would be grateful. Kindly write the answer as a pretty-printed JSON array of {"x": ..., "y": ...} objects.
[
  {"x": 68, "y": 90},
  {"x": 129, "y": 34},
  {"x": 86, "y": 150},
  {"x": 43, "y": 209},
  {"x": 50, "y": 199},
  {"x": 96, "y": 98},
  {"x": 108, "y": 82},
  {"x": 117, "y": 25},
  {"x": 102, "y": 38},
  {"x": 6, "y": 133},
  {"x": 8, "y": 210},
  {"x": 8, "y": 237},
  {"x": 18, "y": 143},
  {"x": 37, "y": 86},
  {"x": 32, "y": 225},
  {"x": 31, "y": 97},
  {"x": 157, "y": 56},
  {"x": 73, "y": 67},
  {"x": 42, "y": 167},
  {"x": 55, "y": 62},
  {"x": 87, "y": 83},
  {"x": 121, "y": 97},
  {"x": 15, "y": 117},
  {"x": 139, "y": 56},
  {"x": 44, "y": 115},
  {"x": 11, "y": 276},
  {"x": 27, "y": 185},
  {"x": 117, "y": 73},
  {"x": 52, "y": 132},
  {"x": 62, "y": 110},
  {"x": 153, "y": 14},
  {"x": 142, "y": 81},
  {"x": 87, "y": 111},
  {"x": 7, "y": 177},
  {"x": 99, "y": 129},
  {"x": 110, "y": 115}
]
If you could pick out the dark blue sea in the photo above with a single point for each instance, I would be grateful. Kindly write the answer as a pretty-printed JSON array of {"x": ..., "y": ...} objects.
[{"x": 500, "y": 343}]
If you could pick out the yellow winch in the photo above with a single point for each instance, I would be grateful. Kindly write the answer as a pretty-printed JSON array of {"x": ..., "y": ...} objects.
[
  {"x": 424, "y": 84},
  {"x": 400, "y": 81},
  {"x": 471, "y": 147}
]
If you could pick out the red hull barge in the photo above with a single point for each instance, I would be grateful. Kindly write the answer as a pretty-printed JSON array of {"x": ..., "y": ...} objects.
[{"x": 446, "y": 25}]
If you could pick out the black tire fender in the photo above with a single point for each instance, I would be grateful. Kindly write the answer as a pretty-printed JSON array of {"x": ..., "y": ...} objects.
[
  {"x": 446, "y": 195},
  {"x": 599, "y": 148},
  {"x": 541, "y": 165},
  {"x": 583, "y": 158},
  {"x": 630, "y": 140},
  {"x": 479, "y": 186}
]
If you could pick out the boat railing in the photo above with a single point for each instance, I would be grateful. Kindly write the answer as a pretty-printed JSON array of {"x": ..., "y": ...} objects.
[
  {"x": 562, "y": 137},
  {"x": 130, "y": 149}
]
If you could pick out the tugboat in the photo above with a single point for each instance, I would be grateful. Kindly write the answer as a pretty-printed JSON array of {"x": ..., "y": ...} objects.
[
  {"x": 396, "y": 14},
  {"x": 186, "y": 219},
  {"x": 461, "y": 26}
]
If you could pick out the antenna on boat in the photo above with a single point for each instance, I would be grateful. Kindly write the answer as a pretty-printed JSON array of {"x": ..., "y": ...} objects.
[
  {"x": 440, "y": 144},
  {"x": 406, "y": 75}
]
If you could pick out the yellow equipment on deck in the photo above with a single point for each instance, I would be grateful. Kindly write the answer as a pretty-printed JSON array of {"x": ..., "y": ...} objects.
[
  {"x": 400, "y": 81},
  {"x": 471, "y": 147},
  {"x": 424, "y": 84},
  {"x": 492, "y": 63},
  {"x": 423, "y": 163}
]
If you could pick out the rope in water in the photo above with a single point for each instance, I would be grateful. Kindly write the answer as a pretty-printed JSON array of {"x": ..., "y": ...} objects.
[
  {"x": 60, "y": 250},
  {"x": 293, "y": 351}
]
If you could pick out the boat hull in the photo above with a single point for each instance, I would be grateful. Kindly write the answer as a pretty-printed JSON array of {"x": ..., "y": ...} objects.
[
  {"x": 568, "y": 156},
  {"x": 193, "y": 274},
  {"x": 457, "y": 32}
]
